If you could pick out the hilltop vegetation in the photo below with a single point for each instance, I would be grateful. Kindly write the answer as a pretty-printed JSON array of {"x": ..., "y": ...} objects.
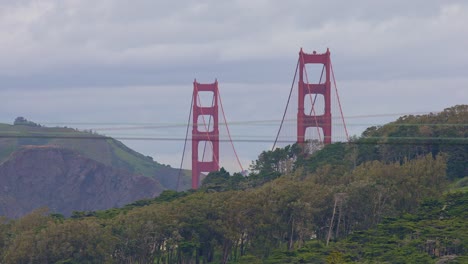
[
  {"x": 106, "y": 150},
  {"x": 413, "y": 136},
  {"x": 393, "y": 195}
]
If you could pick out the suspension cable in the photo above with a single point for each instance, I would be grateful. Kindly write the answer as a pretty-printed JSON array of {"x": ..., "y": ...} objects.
[
  {"x": 339, "y": 103},
  {"x": 287, "y": 104},
  {"x": 229, "y": 133},
  {"x": 185, "y": 146}
]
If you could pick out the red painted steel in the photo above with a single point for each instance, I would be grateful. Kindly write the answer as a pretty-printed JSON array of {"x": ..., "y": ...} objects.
[
  {"x": 305, "y": 120},
  {"x": 200, "y": 136}
]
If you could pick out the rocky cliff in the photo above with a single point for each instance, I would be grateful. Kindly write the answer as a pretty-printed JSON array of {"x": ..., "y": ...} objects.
[{"x": 65, "y": 181}]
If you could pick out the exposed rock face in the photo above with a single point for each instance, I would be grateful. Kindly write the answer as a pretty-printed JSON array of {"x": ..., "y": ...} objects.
[{"x": 64, "y": 181}]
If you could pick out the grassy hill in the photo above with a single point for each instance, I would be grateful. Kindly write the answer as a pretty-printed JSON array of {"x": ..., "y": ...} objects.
[{"x": 100, "y": 148}]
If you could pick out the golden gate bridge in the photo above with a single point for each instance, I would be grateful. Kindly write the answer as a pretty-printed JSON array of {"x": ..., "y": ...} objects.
[{"x": 319, "y": 116}]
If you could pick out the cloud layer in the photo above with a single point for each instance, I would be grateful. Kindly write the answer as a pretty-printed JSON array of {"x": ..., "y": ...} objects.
[
  {"x": 134, "y": 61},
  {"x": 146, "y": 41}
]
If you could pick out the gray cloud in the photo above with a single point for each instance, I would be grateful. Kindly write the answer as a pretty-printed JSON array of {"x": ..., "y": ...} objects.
[
  {"x": 95, "y": 61},
  {"x": 66, "y": 37}
]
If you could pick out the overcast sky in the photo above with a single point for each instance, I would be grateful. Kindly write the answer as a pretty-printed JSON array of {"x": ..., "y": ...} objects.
[{"x": 108, "y": 64}]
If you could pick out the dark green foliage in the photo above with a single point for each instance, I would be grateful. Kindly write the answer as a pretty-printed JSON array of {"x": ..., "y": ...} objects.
[
  {"x": 380, "y": 199},
  {"x": 424, "y": 237},
  {"x": 57, "y": 217},
  {"x": 280, "y": 160},
  {"x": 283, "y": 221},
  {"x": 21, "y": 121},
  {"x": 413, "y": 136},
  {"x": 217, "y": 181},
  {"x": 222, "y": 181},
  {"x": 170, "y": 195},
  {"x": 334, "y": 154},
  {"x": 80, "y": 214}
]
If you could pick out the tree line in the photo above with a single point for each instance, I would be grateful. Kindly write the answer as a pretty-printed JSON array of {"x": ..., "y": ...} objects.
[
  {"x": 211, "y": 226},
  {"x": 347, "y": 202}
]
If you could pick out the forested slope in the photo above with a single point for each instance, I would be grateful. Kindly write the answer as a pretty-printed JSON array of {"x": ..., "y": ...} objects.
[{"x": 370, "y": 201}]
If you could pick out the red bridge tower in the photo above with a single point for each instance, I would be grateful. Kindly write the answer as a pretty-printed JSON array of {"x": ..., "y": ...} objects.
[
  {"x": 204, "y": 136},
  {"x": 305, "y": 120}
]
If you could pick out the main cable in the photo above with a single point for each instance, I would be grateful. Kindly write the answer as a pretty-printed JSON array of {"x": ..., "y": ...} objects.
[
  {"x": 287, "y": 104},
  {"x": 185, "y": 145},
  {"x": 229, "y": 133},
  {"x": 339, "y": 103}
]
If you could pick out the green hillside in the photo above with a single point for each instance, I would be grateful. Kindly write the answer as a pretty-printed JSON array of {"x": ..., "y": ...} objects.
[
  {"x": 436, "y": 233},
  {"x": 392, "y": 195},
  {"x": 407, "y": 138},
  {"x": 412, "y": 136},
  {"x": 97, "y": 147}
]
